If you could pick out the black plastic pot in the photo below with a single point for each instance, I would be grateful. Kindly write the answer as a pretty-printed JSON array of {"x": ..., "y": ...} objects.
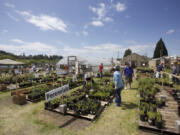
[
  {"x": 151, "y": 122},
  {"x": 143, "y": 117},
  {"x": 53, "y": 106},
  {"x": 159, "y": 105},
  {"x": 47, "y": 104},
  {"x": 32, "y": 97},
  {"x": 179, "y": 110},
  {"x": 158, "y": 124}
]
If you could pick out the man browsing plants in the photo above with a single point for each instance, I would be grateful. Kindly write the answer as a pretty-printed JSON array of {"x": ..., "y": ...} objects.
[
  {"x": 128, "y": 73},
  {"x": 118, "y": 82}
]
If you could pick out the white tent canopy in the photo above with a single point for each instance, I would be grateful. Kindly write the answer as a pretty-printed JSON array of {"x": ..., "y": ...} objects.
[
  {"x": 10, "y": 62},
  {"x": 87, "y": 61},
  {"x": 63, "y": 61}
]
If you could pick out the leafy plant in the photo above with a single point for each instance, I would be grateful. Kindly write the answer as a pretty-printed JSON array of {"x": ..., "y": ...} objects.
[{"x": 151, "y": 115}]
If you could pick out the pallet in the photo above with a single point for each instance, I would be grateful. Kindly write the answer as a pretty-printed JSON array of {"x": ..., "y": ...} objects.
[
  {"x": 34, "y": 101},
  {"x": 89, "y": 117},
  {"x": 169, "y": 115},
  {"x": 148, "y": 128}
]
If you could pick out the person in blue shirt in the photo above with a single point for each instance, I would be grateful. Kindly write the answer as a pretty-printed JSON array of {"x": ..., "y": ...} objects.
[
  {"x": 118, "y": 82},
  {"x": 159, "y": 69},
  {"x": 128, "y": 73}
]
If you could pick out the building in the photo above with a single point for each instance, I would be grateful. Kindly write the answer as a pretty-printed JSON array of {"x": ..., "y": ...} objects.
[
  {"x": 135, "y": 60},
  {"x": 168, "y": 61}
]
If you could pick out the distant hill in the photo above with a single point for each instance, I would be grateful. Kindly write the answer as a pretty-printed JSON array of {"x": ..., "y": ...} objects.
[{"x": 30, "y": 58}]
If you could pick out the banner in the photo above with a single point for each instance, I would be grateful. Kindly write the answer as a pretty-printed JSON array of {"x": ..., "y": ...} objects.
[{"x": 56, "y": 92}]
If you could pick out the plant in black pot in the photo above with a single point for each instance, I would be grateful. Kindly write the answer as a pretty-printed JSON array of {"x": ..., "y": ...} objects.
[
  {"x": 54, "y": 103},
  {"x": 163, "y": 101},
  {"x": 159, "y": 120},
  {"x": 159, "y": 103},
  {"x": 151, "y": 117},
  {"x": 142, "y": 115},
  {"x": 152, "y": 107}
]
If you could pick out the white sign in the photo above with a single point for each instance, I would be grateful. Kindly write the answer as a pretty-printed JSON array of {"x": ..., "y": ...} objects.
[
  {"x": 36, "y": 75},
  {"x": 61, "y": 72},
  {"x": 56, "y": 92}
]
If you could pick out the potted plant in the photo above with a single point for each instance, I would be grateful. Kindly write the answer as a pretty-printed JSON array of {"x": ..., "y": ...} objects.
[
  {"x": 163, "y": 100},
  {"x": 159, "y": 121},
  {"x": 151, "y": 117},
  {"x": 159, "y": 103},
  {"x": 54, "y": 103},
  {"x": 142, "y": 115}
]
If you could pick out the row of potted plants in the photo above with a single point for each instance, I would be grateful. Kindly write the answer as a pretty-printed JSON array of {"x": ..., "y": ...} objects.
[
  {"x": 68, "y": 99},
  {"x": 149, "y": 104},
  {"x": 85, "y": 100},
  {"x": 144, "y": 70},
  {"x": 11, "y": 79},
  {"x": 164, "y": 81},
  {"x": 176, "y": 96},
  {"x": 86, "y": 106},
  {"x": 143, "y": 75},
  {"x": 38, "y": 92}
]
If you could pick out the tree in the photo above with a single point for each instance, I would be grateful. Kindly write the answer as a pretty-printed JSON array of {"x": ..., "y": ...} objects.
[
  {"x": 127, "y": 52},
  {"x": 160, "y": 49}
]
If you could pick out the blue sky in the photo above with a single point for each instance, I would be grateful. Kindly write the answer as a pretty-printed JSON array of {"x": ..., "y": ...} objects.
[{"x": 89, "y": 28}]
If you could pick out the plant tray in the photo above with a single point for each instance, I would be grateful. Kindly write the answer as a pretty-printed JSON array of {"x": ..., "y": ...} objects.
[
  {"x": 90, "y": 117},
  {"x": 169, "y": 114}
]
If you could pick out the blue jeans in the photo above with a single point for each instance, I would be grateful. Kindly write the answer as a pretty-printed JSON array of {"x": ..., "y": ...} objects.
[{"x": 118, "y": 96}]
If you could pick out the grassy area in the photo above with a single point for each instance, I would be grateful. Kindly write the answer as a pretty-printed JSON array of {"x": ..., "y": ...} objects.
[
  {"x": 16, "y": 120},
  {"x": 4, "y": 94},
  {"x": 118, "y": 120}
]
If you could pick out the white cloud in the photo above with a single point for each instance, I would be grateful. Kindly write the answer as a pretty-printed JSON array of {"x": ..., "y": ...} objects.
[
  {"x": 17, "y": 41},
  {"x": 12, "y": 17},
  {"x": 85, "y": 33},
  {"x": 108, "y": 19},
  {"x": 100, "y": 11},
  {"x": 44, "y": 22},
  {"x": 106, "y": 50},
  {"x": 120, "y": 7},
  {"x": 9, "y": 5},
  {"x": 170, "y": 31},
  {"x": 28, "y": 48},
  {"x": 142, "y": 49},
  {"x": 97, "y": 23},
  {"x": 103, "y": 12}
]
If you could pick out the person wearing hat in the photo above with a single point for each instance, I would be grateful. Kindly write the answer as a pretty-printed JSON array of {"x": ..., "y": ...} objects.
[
  {"x": 128, "y": 73},
  {"x": 118, "y": 82}
]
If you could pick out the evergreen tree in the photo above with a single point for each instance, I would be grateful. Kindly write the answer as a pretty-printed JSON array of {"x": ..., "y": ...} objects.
[
  {"x": 127, "y": 52},
  {"x": 160, "y": 49}
]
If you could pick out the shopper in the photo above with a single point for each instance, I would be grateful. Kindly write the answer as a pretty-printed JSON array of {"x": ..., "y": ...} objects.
[
  {"x": 128, "y": 73},
  {"x": 118, "y": 82},
  {"x": 101, "y": 70},
  {"x": 175, "y": 71},
  {"x": 159, "y": 69}
]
